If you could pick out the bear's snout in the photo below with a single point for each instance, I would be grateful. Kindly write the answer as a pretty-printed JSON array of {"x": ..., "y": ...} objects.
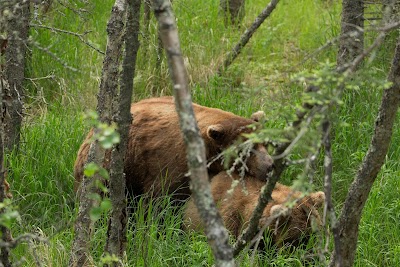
[{"x": 260, "y": 163}]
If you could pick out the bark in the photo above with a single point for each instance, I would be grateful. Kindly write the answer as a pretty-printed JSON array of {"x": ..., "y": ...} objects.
[
  {"x": 244, "y": 39},
  {"x": 5, "y": 232},
  {"x": 352, "y": 26},
  {"x": 358, "y": 193},
  {"x": 233, "y": 11},
  {"x": 116, "y": 238},
  {"x": 329, "y": 211},
  {"x": 80, "y": 255},
  {"x": 390, "y": 8},
  {"x": 146, "y": 25},
  {"x": 216, "y": 233},
  {"x": 17, "y": 30}
]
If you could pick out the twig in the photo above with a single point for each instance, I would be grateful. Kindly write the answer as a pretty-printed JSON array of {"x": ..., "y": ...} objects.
[
  {"x": 54, "y": 56},
  {"x": 386, "y": 29},
  {"x": 301, "y": 133},
  {"x": 77, "y": 11},
  {"x": 79, "y": 35},
  {"x": 23, "y": 238},
  {"x": 256, "y": 240},
  {"x": 50, "y": 76},
  {"x": 244, "y": 39},
  {"x": 389, "y": 27}
]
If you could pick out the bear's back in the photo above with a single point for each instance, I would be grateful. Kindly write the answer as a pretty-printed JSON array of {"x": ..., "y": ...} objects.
[{"x": 156, "y": 147}]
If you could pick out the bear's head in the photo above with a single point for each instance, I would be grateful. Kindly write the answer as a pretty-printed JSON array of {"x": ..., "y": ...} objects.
[
  {"x": 254, "y": 158},
  {"x": 293, "y": 226}
]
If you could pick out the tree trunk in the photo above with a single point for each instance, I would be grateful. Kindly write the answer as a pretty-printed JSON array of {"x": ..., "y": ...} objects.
[
  {"x": 351, "y": 43},
  {"x": 5, "y": 232},
  {"x": 80, "y": 255},
  {"x": 233, "y": 11},
  {"x": 17, "y": 29},
  {"x": 216, "y": 233},
  {"x": 116, "y": 238},
  {"x": 358, "y": 193},
  {"x": 14, "y": 35}
]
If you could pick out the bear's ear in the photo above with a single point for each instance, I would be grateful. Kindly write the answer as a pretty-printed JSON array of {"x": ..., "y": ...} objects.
[
  {"x": 258, "y": 116},
  {"x": 318, "y": 198},
  {"x": 216, "y": 132}
]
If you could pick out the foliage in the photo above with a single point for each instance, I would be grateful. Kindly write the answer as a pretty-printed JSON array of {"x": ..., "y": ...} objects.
[
  {"x": 107, "y": 136},
  {"x": 264, "y": 77},
  {"x": 9, "y": 215}
]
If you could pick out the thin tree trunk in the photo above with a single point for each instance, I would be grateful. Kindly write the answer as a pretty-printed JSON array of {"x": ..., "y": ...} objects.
[
  {"x": 352, "y": 22},
  {"x": 216, "y": 233},
  {"x": 329, "y": 209},
  {"x": 80, "y": 255},
  {"x": 266, "y": 191},
  {"x": 244, "y": 39},
  {"x": 17, "y": 35},
  {"x": 233, "y": 11},
  {"x": 116, "y": 238},
  {"x": 13, "y": 48},
  {"x": 5, "y": 232},
  {"x": 146, "y": 25},
  {"x": 264, "y": 199},
  {"x": 358, "y": 193}
]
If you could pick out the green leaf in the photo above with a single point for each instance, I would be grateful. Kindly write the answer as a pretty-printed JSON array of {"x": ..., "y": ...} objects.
[
  {"x": 90, "y": 169},
  {"x": 115, "y": 138},
  {"x": 95, "y": 213},
  {"x": 108, "y": 131},
  {"x": 105, "y": 205},
  {"x": 104, "y": 173},
  {"x": 95, "y": 196},
  {"x": 106, "y": 143},
  {"x": 8, "y": 218},
  {"x": 103, "y": 188}
]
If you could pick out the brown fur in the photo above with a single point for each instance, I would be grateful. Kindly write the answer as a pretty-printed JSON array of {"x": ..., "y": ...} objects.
[
  {"x": 156, "y": 157},
  {"x": 236, "y": 208}
]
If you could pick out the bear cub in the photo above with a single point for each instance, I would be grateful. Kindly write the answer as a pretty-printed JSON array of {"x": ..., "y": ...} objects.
[{"x": 292, "y": 227}]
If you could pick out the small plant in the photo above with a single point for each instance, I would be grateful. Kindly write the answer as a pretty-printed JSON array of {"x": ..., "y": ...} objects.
[{"x": 107, "y": 136}]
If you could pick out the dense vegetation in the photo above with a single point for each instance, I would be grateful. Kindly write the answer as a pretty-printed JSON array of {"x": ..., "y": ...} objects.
[{"x": 261, "y": 78}]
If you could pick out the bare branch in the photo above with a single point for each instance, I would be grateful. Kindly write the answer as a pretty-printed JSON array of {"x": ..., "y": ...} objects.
[
  {"x": 23, "y": 238},
  {"x": 54, "y": 56},
  {"x": 329, "y": 209},
  {"x": 385, "y": 29},
  {"x": 244, "y": 39},
  {"x": 79, "y": 35}
]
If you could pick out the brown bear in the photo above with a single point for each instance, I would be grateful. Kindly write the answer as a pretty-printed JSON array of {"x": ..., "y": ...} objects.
[
  {"x": 156, "y": 159},
  {"x": 237, "y": 205}
]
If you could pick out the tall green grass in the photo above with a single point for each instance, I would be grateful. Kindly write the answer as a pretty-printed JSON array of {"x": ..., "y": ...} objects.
[{"x": 260, "y": 78}]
